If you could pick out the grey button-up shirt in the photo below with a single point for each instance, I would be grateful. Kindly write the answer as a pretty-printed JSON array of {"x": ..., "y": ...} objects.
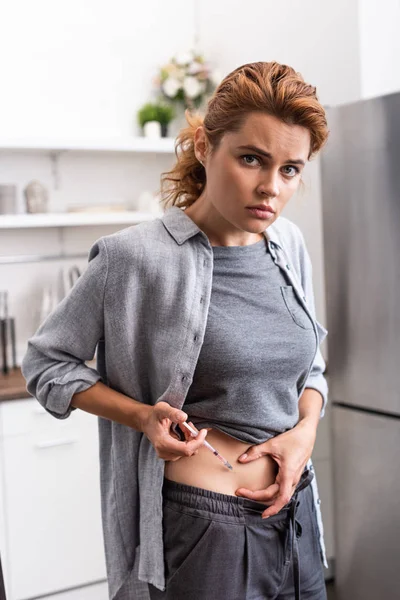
[{"x": 143, "y": 303}]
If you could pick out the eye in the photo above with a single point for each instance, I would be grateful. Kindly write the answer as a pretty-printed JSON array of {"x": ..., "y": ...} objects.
[
  {"x": 249, "y": 159},
  {"x": 290, "y": 171}
]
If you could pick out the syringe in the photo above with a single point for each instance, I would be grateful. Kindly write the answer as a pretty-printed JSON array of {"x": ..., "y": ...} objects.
[{"x": 207, "y": 445}]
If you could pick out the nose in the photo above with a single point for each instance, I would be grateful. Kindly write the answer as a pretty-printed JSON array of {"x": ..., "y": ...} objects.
[{"x": 269, "y": 184}]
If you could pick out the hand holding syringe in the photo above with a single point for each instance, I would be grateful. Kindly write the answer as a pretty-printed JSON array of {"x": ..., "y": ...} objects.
[{"x": 195, "y": 433}]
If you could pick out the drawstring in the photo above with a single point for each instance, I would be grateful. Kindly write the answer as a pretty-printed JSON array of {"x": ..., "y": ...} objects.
[{"x": 295, "y": 529}]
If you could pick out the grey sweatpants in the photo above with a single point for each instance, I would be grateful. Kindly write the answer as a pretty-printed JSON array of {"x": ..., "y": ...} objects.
[{"x": 217, "y": 547}]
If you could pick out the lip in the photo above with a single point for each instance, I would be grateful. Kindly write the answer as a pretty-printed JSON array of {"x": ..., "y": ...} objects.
[
  {"x": 264, "y": 207},
  {"x": 262, "y": 212}
]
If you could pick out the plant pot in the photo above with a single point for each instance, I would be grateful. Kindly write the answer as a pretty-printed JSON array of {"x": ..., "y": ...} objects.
[
  {"x": 164, "y": 129},
  {"x": 152, "y": 130}
]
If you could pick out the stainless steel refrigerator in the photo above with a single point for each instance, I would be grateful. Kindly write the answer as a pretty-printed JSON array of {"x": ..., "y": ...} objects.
[{"x": 361, "y": 220}]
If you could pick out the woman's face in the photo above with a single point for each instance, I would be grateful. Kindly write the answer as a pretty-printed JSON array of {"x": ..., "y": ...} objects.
[{"x": 259, "y": 165}]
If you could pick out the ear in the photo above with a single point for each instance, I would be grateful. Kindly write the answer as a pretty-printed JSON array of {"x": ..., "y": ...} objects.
[{"x": 200, "y": 144}]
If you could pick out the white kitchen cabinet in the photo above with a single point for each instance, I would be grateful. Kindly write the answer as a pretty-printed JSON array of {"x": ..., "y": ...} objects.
[
  {"x": 3, "y": 551},
  {"x": 51, "y": 500}
]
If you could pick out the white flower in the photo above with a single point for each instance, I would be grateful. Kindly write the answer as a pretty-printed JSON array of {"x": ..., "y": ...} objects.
[
  {"x": 184, "y": 58},
  {"x": 195, "y": 67},
  {"x": 192, "y": 87},
  {"x": 171, "y": 87},
  {"x": 180, "y": 75}
]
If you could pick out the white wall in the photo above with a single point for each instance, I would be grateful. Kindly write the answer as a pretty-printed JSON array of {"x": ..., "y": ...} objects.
[
  {"x": 83, "y": 67},
  {"x": 319, "y": 39},
  {"x": 379, "y": 30}
]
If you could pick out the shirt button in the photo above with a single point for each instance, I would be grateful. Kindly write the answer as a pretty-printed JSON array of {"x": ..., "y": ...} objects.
[
  {"x": 195, "y": 338},
  {"x": 288, "y": 268},
  {"x": 319, "y": 500},
  {"x": 201, "y": 300}
]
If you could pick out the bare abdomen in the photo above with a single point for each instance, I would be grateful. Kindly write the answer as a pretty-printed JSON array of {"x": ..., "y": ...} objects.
[{"x": 204, "y": 470}]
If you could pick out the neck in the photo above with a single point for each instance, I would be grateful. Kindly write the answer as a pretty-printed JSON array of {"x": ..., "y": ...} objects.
[{"x": 219, "y": 231}]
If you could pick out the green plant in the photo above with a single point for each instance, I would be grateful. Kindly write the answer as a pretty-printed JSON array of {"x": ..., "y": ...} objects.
[
  {"x": 148, "y": 112},
  {"x": 151, "y": 111},
  {"x": 166, "y": 113}
]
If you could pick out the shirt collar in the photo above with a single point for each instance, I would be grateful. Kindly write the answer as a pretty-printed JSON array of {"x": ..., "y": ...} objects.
[
  {"x": 179, "y": 225},
  {"x": 182, "y": 227}
]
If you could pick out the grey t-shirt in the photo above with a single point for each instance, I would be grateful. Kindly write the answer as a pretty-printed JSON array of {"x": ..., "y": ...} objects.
[{"x": 257, "y": 348}]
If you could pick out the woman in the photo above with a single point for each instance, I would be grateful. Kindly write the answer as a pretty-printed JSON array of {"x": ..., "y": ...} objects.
[{"x": 207, "y": 316}]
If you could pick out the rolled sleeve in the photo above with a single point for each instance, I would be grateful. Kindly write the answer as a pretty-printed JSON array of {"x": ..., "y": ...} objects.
[
  {"x": 60, "y": 394},
  {"x": 54, "y": 364},
  {"x": 316, "y": 379}
]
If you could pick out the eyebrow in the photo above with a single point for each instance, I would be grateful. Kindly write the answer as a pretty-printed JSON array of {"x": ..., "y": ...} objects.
[{"x": 296, "y": 161}]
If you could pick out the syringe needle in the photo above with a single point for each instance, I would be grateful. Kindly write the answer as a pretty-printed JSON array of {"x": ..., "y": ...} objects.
[{"x": 207, "y": 445}]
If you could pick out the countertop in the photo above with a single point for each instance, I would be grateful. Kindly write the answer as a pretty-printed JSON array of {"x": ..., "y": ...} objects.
[{"x": 12, "y": 386}]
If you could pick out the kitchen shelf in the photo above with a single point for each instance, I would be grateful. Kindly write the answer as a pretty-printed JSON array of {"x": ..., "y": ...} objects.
[
  {"x": 131, "y": 144},
  {"x": 74, "y": 219}
]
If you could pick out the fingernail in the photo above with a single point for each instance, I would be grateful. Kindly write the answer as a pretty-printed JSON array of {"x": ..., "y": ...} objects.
[
  {"x": 267, "y": 517},
  {"x": 243, "y": 457}
]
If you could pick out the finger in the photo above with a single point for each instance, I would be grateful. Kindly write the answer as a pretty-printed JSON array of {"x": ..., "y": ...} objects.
[
  {"x": 188, "y": 435},
  {"x": 260, "y": 495},
  {"x": 254, "y": 452},
  {"x": 266, "y": 494},
  {"x": 174, "y": 434},
  {"x": 196, "y": 442},
  {"x": 169, "y": 445},
  {"x": 283, "y": 498},
  {"x": 274, "y": 497},
  {"x": 165, "y": 410},
  {"x": 181, "y": 425}
]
